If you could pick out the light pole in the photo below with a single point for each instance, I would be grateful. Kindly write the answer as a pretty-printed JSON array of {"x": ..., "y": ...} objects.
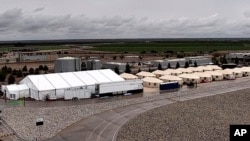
[{"x": 39, "y": 122}]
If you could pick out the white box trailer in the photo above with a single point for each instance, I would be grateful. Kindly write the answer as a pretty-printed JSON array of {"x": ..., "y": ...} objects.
[
  {"x": 120, "y": 87},
  {"x": 77, "y": 93}
]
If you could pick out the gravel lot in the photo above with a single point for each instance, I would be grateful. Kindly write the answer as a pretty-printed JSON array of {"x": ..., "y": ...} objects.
[
  {"x": 22, "y": 119},
  {"x": 195, "y": 120}
]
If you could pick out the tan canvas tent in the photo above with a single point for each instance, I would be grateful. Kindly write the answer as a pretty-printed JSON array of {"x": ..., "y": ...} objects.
[
  {"x": 128, "y": 76},
  {"x": 144, "y": 74},
  {"x": 204, "y": 77},
  {"x": 171, "y": 78},
  {"x": 227, "y": 74},
  {"x": 185, "y": 70},
  {"x": 216, "y": 76},
  {"x": 160, "y": 73},
  {"x": 151, "y": 82},
  {"x": 190, "y": 78},
  {"x": 174, "y": 72}
]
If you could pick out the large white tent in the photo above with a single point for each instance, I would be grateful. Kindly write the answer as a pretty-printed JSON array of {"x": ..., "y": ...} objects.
[{"x": 60, "y": 85}]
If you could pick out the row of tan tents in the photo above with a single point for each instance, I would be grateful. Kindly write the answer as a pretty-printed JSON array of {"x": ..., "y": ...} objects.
[{"x": 201, "y": 74}]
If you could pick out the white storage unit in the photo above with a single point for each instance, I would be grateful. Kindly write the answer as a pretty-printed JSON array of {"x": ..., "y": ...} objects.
[
  {"x": 120, "y": 87},
  {"x": 216, "y": 76},
  {"x": 17, "y": 91}
]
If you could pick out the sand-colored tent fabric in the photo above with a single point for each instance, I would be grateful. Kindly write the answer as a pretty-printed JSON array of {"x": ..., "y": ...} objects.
[
  {"x": 204, "y": 77},
  {"x": 151, "y": 82},
  {"x": 185, "y": 70},
  {"x": 215, "y": 67},
  {"x": 208, "y": 68},
  {"x": 201, "y": 68},
  {"x": 174, "y": 72},
  {"x": 144, "y": 74},
  {"x": 227, "y": 74},
  {"x": 160, "y": 73},
  {"x": 196, "y": 69},
  {"x": 171, "y": 78},
  {"x": 245, "y": 71},
  {"x": 128, "y": 76},
  {"x": 216, "y": 76},
  {"x": 190, "y": 78},
  {"x": 237, "y": 72}
]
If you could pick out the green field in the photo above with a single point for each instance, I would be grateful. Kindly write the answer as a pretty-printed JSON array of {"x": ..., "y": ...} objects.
[
  {"x": 177, "y": 47},
  {"x": 45, "y": 47}
]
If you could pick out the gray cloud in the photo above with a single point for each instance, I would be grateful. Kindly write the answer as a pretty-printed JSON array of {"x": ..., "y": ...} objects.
[
  {"x": 15, "y": 24},
  {"x": 38, "y": 9}
]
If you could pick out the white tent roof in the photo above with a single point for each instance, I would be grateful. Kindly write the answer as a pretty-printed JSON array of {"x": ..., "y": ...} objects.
[
  {"x": 99, "y": 76},
  {"x": 146, "y": 74},
  {"x": 170, "y": 77},
  {"x": 152, "y": 80},
  {"x": 244, "y": 69},
  {"x": 85, "y": 77},
  {"x": 190, "y": 76},
  {"x": 128, "y": 76},
  {"x": 235, "y": 70},
  {"x": 111, "y": 75},
  {"x": 57, "y": 81},
  {"x": 215, "y": 67},
  {"x": 161, "y": 72},
  {"x": 208, "y": 68},
  {"x": 71, "y": 79},
  {"x": 14, "y": 87},
  {"x": 40, "y": 82},
  {"x": 225, "y": 71}
]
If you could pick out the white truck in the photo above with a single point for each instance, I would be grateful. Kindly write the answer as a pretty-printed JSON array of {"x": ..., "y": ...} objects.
[{"x": 120, "y": 87}]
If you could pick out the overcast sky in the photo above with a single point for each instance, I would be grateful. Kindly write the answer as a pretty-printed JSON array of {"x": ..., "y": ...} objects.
[{"x": 93, "y": 19}]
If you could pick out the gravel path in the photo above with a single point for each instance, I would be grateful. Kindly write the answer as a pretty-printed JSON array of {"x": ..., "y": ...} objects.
[
  {"x": 22, "y": 119},
  {"x": 195, "y": 120}
]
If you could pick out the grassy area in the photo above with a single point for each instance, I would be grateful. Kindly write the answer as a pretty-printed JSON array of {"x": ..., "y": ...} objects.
[
  {"x": 162, "y": 47},
  {"x": 51, "y": 47}
]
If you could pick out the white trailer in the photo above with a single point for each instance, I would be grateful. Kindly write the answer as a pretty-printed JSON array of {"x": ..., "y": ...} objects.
[
  {"x": 77, "y": 93},
  {"x": 119, "y": 87}
]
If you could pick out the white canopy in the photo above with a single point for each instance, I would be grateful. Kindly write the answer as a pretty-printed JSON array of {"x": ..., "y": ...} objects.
[
  {"x": 225, "y": 72},
  {"x": 189, "y": 76}
]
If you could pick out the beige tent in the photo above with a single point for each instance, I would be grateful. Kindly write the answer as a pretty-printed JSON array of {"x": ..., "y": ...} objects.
[
  {"x": 216, "y": 76},
  {"x": 190, "y": 78},
  {"x": 144, "y": 74},
  {"x": 227, "y": 74},
  {"x": 245, "y": 71},
  {"x": 215, "y": 67},
  {"x": 171, "y": 78},
  {"x": 201, "y": 68},
  {"x": 204, "y": 77},
  {"x": 160, "y": 73},
  {"x": 196, "y": 69},
  {"x": 208, "y": 68},
  {"x": 174, "y": 72},
  {"x": 151, "y": 82},
  {"x": 128, "y": 76},
  {"x": 237, "y": 72},
  {"x": 185, "y": 70}
]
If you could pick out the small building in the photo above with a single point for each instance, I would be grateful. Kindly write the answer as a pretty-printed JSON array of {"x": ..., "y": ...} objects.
[
  {"x": 200, "y": 60},
  {"x": 128, "y": 76},
  {"x": 144, "y": 74},
  {"x": 173, "y": 62},
  {"x": 160, "y": 73},
  {"x": 171, "y": 78},
  {"x": 204, "y": 77},
  {"x": 190, "y": 78},
  {"x": 67, "y": 64},
  {"x": 42, "y": 55},
  {"x": 113, "y": 65},
  {"x": 151, "y": 82},
  {"x": 15, "y": 92},
  {"x": 216, "y": 76}
]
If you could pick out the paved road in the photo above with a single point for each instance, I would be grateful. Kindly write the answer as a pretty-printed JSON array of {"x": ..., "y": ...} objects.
[{"x": 106, "y": 125}]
